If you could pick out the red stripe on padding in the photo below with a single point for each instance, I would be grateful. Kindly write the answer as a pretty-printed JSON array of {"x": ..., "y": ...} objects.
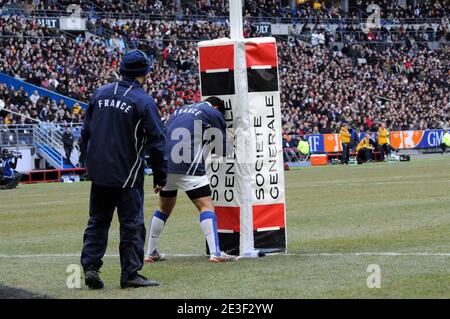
[
  {"x": 216, "y": 57},
  {"x": 228, "y": 217},
  {"x": 271, "y": 215},
  {"x": 261, "y": 54}
]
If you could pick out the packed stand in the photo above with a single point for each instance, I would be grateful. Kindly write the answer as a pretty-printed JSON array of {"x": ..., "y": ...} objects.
[
  {"x": 406, "y": 85},
  {"x": 401, "y": 35},
  {"x": 153, "y": 7},
  {"x": 321, "y": 88},
  {"x": 389, "y": 10},
  {"x": 304, "y": 9},
  {"x": 36, "y": 108},
  {"x": 75, "y": 67}
]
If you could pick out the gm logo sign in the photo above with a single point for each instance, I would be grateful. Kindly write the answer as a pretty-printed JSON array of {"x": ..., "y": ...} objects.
[{"x": 314, "y": 143}]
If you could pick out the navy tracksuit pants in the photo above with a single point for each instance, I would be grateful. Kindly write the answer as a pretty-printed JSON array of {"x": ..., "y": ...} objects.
[{"x": 129, "y": 203}]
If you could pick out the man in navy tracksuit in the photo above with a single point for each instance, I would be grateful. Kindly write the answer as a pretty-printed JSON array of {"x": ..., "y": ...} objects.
[
  {"x": 193, "y": 131},
  {"x": 121, "y": 125}
]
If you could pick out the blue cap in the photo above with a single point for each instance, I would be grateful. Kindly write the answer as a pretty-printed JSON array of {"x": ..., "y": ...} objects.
[{"x": 135, "y": 63}]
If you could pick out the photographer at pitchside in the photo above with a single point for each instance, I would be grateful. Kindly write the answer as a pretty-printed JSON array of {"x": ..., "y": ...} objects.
[{"x": 10, "y": 178}]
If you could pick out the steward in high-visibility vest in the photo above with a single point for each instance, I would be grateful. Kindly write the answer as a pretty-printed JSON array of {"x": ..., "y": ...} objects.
[
  {"x": 364, "y": 150},
  {"x": 383, "y": 140},
  {"x": 445, "y": 142},
  {"x": 345, "y": 136},
  {"x": 303, "y": 147}
]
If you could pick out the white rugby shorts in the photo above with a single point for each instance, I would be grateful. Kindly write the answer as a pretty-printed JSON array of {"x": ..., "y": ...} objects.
[{"x": 185, "y": 182}]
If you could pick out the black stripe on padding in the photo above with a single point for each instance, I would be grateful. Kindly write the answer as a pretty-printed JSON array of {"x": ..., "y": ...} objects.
[
  {"x": 262, "y": 80},
  {"x": 271, "y": 239},
  {"x": 220, "y": 83},
  {"x": 274, "y": 240},
  {"x": 229, "y": 243}
]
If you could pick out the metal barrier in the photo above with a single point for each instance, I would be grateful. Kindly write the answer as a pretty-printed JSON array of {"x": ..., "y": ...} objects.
[
  {"x": 48, "y": 142},
  {"x": 46, "y": 138},
  {"x": 16, "y": 135}
]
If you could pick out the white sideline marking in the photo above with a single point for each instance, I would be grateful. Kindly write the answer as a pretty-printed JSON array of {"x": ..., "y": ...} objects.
[
  {"x": 217, "y": 70},
  {"x": 79, "y": 254},
  {"x": 332, "y": 182},
  {"x": 412, "y": 254},
  {"x": 321, "y": 184},
  {"x": 368, "y": 254}
]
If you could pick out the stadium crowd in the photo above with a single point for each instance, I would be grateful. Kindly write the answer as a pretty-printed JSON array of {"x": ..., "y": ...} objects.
[
  {"x": 36, "y": 107},
  {"x": 153, "y": 7},
  {"x": 304, "y": 9},
  {"x": 75, "y": 67},
  {"x": 321, "y": 89},
  {"x": 316, "y": 9},
  {"x": 405, "y": 84},
  {"x": 390, "y": 10}
]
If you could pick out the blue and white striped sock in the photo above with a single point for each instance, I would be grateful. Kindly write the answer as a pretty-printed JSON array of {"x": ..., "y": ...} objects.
[
  {"x": 208, "y": 223},
  {"x": 157, "y": 224}
]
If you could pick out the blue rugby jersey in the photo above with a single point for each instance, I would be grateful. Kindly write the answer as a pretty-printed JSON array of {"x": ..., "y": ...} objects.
[{"x": 194, "y": 120}]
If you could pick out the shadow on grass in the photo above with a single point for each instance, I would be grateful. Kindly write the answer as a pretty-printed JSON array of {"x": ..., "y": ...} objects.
[{"x": 17, "y": 293}]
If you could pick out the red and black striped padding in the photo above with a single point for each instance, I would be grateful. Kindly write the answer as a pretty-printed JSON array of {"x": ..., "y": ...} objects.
[
  {"x": 262, "y": 67},
  {"x": 217, "y": 70},
  {"x": 268, "y": 224}
]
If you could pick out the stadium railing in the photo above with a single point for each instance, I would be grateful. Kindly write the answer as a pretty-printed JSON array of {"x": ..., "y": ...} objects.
[
  {"x": 16, "y": 135},
  {"x": 44, "y": 138}
]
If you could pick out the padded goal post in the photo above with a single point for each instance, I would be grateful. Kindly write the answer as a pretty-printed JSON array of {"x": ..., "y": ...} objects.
[{"x": 248, "y": 186}]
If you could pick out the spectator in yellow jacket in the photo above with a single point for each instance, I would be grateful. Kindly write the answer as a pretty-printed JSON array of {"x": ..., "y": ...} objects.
[
  {"x": 364, "y": 150},
  {"x": 317, "y": 5},
  {"x": 383, "y": 141},
  {"x": 76, "y": 108},
  {"x": 345, "y": 135}
]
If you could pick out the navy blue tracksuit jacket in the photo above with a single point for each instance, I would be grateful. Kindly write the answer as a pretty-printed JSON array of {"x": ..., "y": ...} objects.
[
  {"x": 121, "y": 126},
  {"x": 186, "y": 118}
]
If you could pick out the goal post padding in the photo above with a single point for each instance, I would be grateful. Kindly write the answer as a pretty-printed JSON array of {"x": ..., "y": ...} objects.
[{"x": 248, "y": 185}]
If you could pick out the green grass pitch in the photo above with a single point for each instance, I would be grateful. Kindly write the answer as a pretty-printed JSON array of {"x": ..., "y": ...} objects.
[{"x": 397, "y": 215}]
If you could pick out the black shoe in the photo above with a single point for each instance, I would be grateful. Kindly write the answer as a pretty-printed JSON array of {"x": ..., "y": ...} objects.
[
  {"x": 92, "y": 279},
  {"x": 138, "y": 281}
]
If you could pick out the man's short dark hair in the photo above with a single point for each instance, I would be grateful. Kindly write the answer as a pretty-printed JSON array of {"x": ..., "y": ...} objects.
[{"x": 215, "y": 101}]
